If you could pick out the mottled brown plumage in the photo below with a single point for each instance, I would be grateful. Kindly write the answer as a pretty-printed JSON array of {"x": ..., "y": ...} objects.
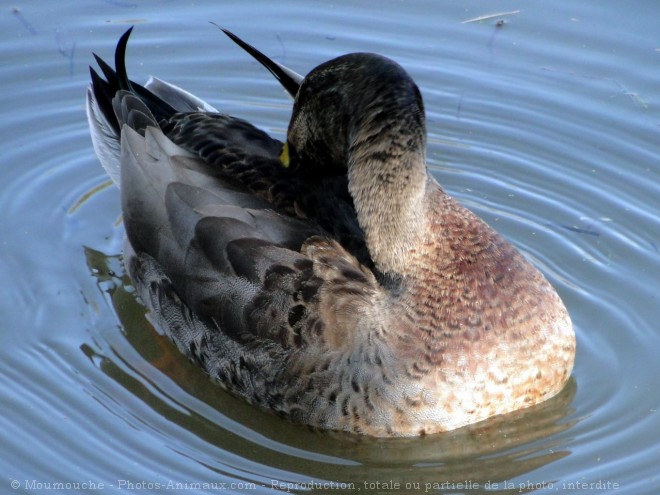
[{"x": 347, "y": 291}]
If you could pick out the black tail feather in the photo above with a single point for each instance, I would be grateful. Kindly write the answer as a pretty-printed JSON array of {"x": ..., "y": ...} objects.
[
  {"x": 108, "y": 71},
  {"x": 120, "y": 61},
  {"x": 287, "y": 78},
  {"x": 116, "y": 80},
  {"x": 103, "y": 94}
]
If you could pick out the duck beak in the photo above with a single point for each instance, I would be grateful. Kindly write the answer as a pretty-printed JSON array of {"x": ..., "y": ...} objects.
[{"x": 285, "y": 160}]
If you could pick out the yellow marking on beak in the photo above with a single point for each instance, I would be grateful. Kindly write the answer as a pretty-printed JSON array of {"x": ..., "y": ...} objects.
[{"x": 284, "y": 156}]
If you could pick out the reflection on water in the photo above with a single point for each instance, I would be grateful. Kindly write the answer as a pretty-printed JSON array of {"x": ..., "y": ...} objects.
[{"x": 492, "y": 451}]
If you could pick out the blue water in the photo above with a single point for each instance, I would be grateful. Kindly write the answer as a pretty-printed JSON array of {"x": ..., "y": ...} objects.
[{"x": 547, "y": 126}]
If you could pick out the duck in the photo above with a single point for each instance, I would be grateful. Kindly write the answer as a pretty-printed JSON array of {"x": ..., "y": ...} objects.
[{"x": 328, "y": 278}]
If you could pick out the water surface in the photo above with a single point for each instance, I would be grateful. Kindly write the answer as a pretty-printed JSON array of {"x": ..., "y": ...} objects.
[{"x": 544, "y": 121}]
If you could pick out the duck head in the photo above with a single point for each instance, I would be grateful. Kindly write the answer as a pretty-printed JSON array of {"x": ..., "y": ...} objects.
[{"x": 354, "y": 101}]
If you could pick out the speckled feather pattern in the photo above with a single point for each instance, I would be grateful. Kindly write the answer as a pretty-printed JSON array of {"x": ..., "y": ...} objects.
[{"x": 346, "y": 292}]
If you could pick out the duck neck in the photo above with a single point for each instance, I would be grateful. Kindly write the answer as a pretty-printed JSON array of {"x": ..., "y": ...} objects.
[{"x": 388, "y": 185}]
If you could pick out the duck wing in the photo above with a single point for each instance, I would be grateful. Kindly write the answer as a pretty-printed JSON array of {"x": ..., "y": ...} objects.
[
  {"x": 242, "y": 289},
  {"x": 239, "y": 152}
]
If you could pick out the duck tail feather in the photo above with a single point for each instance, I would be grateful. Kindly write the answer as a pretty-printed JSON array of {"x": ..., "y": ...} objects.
[
  {"x": 120, "y": 61},
  {"x": 103, "y": 128},
  {"x": 159, "y": 108},
  {"x": 103, "y": 94},
  {"x": 108, "y": 72},
  {"x": 104, "y": 121},
  {"x": 288, "y": 78},
  {"x": 116, "y": 80}
]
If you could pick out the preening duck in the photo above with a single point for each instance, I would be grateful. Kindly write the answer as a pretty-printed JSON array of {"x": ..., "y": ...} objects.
[{"x": 329, "y": 279}]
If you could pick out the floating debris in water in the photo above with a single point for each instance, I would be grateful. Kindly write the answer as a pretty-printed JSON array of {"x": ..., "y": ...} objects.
[
  {"x": 580, "y": 230},
  {"x": 19, "y": 15},
  {"x": 118, "y": 3},
  {"x": 573, "y": 228},
  {"x": 635, "y": 97},
  {"x": 66, "y": 49},
  {"x": 491, "y": 16}
]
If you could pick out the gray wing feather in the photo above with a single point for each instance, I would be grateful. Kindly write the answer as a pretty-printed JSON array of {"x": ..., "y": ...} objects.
[
  {"x": 179, "y": 98},
  {"x": 215, "y": 243}
]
